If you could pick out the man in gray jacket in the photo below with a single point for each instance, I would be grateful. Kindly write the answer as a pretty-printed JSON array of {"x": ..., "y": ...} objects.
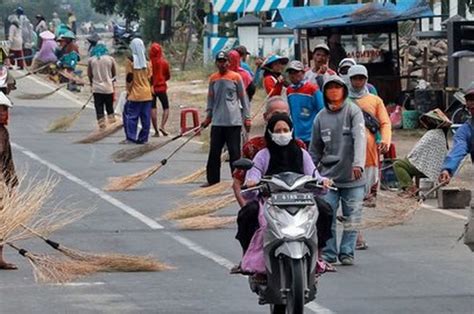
[{"x": 338, "y": 148}]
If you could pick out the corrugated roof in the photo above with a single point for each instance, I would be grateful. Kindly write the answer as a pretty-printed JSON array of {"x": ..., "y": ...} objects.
[{"x": 354, "y": 14}]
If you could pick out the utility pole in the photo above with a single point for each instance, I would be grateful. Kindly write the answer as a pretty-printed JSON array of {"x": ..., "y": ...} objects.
[
  {"x": 190, "y": 34},
  {"x": 297, "y": 32}
]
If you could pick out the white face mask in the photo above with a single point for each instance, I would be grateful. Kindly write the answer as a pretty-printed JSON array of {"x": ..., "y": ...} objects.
[{"x": 281, "y": 139}]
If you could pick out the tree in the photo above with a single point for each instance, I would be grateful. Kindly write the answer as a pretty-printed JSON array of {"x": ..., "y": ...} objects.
[{"x": 128, "y": 9}]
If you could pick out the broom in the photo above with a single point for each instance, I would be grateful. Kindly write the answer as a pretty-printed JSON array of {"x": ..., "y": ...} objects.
[
  {"x": 34, "y": 71},
  {"x": 215, "y": 189},
  {"x": 128, "y": 154},
  {"x": 206, "y": 222},
  {"x": 194, "y": 209},
  {"x": 193, "y": 177},
  {"x": 53, "y": 270},
  {"x": 40, "y": 96},
  {"x": 65, "y": 122},
  {"x": 131, "y": 181},
  {"x": 110, "y": 262},
  {"x": 100, "y": 134}
]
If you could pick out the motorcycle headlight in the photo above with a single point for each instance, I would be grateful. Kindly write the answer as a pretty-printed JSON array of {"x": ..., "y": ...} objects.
[{"x": 293, "y": 231}]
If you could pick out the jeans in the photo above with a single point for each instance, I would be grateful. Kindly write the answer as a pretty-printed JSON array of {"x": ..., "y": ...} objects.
[
  {"x": 133, "y": 111},
  {"x": 351, "y": 202}
]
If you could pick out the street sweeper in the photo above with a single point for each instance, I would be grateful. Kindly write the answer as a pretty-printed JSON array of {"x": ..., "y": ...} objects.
[{"x": 8, "y": 168}]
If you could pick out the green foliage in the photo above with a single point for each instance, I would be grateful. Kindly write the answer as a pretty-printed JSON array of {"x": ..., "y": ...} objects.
[{"x": 128, "y": 9}]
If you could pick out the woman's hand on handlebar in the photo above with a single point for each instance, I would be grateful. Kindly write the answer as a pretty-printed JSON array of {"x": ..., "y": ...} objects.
[
  {"x": 327, "y": 183},
  {"x": 250, "y": 184}
]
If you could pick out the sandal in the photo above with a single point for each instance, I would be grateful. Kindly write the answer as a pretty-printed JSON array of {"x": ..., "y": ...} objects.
[
  {"x": 8, "y": 266},
  {"x": 362, "y": 246}
]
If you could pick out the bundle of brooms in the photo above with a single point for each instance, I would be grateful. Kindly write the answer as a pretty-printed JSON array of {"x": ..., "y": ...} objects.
[{"x": 65, "y": 122}]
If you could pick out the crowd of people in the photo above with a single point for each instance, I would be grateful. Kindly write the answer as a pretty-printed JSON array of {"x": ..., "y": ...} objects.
[
  {"x": 26, "y": 39},
  {"x": 338, "y": 117}
]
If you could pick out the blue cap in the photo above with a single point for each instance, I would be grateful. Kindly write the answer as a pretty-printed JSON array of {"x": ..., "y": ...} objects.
[{"x": 273, "y": 59}]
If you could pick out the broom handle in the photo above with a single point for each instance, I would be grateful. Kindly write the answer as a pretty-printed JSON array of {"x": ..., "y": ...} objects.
[
  {"x": 88, "y": 100},
  {"x": 263, "y": 103},
  {"x": 196, "y": 132},
  {"x": 34, "y": 71},
  {"x": 54, "y": 245},
  {"x": 196, "y": 129},
  {"x": 19, "y": 250}
]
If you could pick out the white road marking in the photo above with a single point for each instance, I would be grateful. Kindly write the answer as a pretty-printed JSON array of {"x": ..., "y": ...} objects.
[
  {"x": 220, "y": 260},
  {"x": 444, "y": 212},
  {"x": 106, "y": 197},
  {"x": 61, "y": 92},
  {"x": 79, "y": 284}
]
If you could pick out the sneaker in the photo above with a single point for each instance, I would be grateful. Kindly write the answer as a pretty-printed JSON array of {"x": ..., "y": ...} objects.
[{"x": 346, "y": 260}]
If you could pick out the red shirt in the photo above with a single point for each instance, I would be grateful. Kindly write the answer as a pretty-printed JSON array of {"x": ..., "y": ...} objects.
[
  {"x": 272, "y": 86},
  {"x": 251, "y": 148},
  {"x": 161, "y": 69}
]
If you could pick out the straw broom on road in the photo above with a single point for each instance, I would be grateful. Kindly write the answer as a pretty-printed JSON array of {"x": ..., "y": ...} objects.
[
  {"x": 100, "y": 134},
  {"x": 65, "y": 122},
  {"x": 106, "y": 262},
  {"x": 131, "y": 181},
  {"x": 215, "y": 189},
  {"x": 205, "y": 222},
  {"x": 193, "y": 209},
  {"x": 29, "y": 96},
  {"x": 193, "y": 177},
  {"x": 49, "y": 269},
  {"x": 128, "y": 154}
]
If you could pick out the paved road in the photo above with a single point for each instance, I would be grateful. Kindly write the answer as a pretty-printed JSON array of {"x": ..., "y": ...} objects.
[{"x": 414, "y": 268}]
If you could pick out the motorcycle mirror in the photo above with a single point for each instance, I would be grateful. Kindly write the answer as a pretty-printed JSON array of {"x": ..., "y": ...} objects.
[{"x": 243, "y": 164}]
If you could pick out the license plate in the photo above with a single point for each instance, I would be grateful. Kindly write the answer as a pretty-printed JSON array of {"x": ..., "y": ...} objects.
[{"x": 283, "y": 199}]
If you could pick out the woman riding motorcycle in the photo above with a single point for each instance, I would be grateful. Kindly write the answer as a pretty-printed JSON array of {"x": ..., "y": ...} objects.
[{"x": 281, "y": 155}]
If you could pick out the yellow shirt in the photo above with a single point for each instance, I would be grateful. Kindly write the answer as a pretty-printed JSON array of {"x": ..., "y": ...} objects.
[
  {"x": 139, "y": 89},
  {"x": 374, "y": 105}
]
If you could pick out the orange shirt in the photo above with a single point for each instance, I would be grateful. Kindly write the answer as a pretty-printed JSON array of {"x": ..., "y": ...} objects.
[{"x": 374, "y": 105}]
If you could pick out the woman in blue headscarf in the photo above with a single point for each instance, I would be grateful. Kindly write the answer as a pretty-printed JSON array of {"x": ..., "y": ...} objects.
[{"x": 101, "y": 71}]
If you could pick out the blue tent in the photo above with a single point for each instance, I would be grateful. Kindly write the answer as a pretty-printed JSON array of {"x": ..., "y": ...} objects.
[{"x": 331, "y": 16}]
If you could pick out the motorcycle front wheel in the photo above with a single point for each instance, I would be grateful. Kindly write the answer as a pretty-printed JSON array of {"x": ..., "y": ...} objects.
[
  {"x": 295, "y": 297},
  {"x": 277, "y": 309}
]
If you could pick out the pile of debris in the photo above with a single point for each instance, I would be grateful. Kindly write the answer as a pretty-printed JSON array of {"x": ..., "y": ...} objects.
[{"x": 425, "y": 59}]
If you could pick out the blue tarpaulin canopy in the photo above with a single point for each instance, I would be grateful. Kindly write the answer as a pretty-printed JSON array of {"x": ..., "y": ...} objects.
[{"x": 342, "y": 15}]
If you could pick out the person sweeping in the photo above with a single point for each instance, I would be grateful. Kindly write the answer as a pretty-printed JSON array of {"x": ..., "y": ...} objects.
[
  {"x": 101, "y": 71},
  {"x": 8, "y": 168},
  {"x": 139, "y": 95}
]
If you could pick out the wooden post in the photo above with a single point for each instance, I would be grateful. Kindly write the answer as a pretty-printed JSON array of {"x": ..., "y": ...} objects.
[{"x": 425, "y": 64}]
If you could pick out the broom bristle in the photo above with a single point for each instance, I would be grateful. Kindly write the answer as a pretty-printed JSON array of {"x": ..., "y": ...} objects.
[
  {"x": 127, "y": 154},
  {"x": 205, "y": 222},
  {"x": 215, "y": 189},
  {"x": 48, "y": 269},
  {"x": 112, "y": 262},
  {"x": 100, "y": 134},
  {"x": 63, "y": 123},
  {"x": 129, "y": 182},
  {"x": 29, "y": 96},
  {"x": 392, "y": 211},
  {"x": 193, "y": 177},
  {"x": 194, "y": 209}
]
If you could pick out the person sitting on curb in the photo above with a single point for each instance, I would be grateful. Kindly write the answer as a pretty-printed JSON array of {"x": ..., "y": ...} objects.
[
  {"x": 463, "y": 142},
  {"x": 426, "y": 158}
]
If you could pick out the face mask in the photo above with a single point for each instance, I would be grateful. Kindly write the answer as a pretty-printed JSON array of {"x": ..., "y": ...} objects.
[{"x": 281, "y": 139}]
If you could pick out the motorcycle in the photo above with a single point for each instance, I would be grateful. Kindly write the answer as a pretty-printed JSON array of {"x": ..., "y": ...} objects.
[
  {"x": 290, "y": 240},
  {"x": 123, "y": 36}
]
